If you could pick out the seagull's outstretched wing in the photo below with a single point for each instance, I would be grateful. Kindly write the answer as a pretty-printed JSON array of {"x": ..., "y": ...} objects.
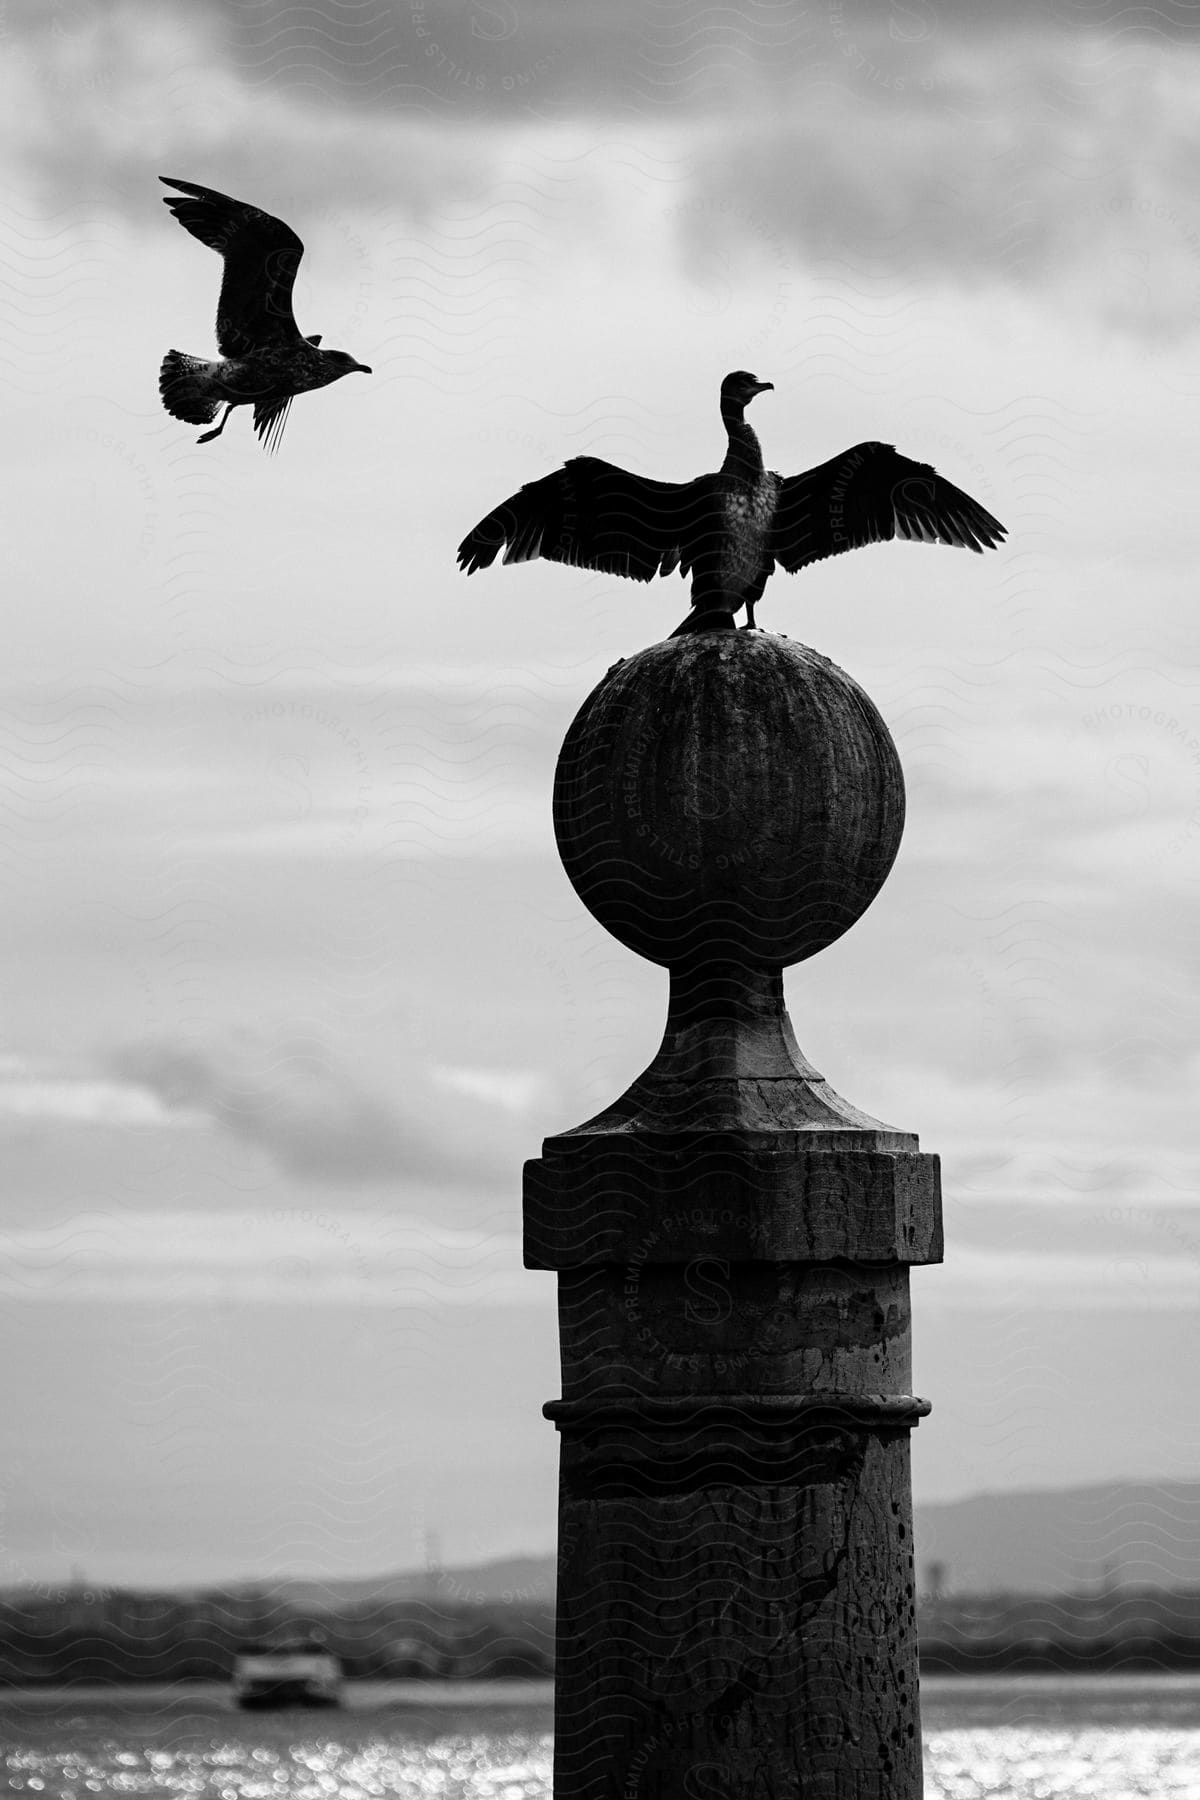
[
  {"x": 867, "y": 495},
  {"x": 596, "y": 516},
  {"x": 261, "y": 256}
]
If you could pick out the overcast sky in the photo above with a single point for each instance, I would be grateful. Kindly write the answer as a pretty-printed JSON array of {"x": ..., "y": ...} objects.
[{"x": 292, "y": 980}]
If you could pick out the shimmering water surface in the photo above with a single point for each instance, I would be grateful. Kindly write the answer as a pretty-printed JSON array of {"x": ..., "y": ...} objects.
[{"x": 1015, "y": 1738}]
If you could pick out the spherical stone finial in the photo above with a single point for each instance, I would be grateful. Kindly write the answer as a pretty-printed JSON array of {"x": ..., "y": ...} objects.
[{"x": 728, "y": 795}]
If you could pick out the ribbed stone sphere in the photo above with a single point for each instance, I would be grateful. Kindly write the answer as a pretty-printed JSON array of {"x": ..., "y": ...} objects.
[{"x": 728, "y": 795}]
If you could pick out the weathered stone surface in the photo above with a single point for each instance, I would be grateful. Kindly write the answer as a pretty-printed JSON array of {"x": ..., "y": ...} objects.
[
  {"x": 602, "y": 1201},
  {"x": 714, "y": 1327},
  {"x": 749, "y": 1630},
  {"x": 728, "y": 789},
  {"x": 729, "y": 1062}
]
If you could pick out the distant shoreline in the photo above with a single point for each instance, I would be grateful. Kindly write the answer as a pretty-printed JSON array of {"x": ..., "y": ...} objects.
[
  {"x": 361, "y": 1696},
  {"x": 368, "y": 1696}
]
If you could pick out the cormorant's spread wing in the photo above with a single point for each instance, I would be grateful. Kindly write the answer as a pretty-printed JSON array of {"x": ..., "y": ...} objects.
[
  {"x": 596, "y": 516},
  {"x": 867, "y": 495},
  {"x": 261, "y": 256},
  {"x": 270, "y": 417}
]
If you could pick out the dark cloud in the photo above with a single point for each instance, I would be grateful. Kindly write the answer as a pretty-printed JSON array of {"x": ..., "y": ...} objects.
[
  {"x": 318, "y": 1118},
  {"x": 546, "y": 57},
  {"x": 1043, "y": 187},
  {"x": 893, "y": 143},
  {"x": 510, "y": 58},
  {"x": 534, "y": 57},
  {"x": 516, "y": 60}
]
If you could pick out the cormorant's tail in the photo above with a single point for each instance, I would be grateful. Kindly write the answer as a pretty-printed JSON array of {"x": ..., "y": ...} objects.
[
  {"x": 186, "y": 386},
  {"x": 705, "y": 619}
]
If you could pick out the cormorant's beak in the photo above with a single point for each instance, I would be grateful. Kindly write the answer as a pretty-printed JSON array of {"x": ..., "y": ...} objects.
[
  {"x": 760, "y": 387},
  {"x": 362, "y": 369}
]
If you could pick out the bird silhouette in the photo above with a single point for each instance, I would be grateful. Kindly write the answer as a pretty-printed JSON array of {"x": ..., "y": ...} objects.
[
  {"x": 265, "y": 361},
  {"x": 728, "y": 530}
]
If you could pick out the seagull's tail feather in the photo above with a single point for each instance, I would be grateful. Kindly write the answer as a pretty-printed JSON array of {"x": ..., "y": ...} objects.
[{"x": 187, "y": 388}]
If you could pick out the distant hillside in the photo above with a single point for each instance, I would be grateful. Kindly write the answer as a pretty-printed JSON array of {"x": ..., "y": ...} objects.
[
  {"x": 1136, "y": 1534},
  {"x": 520, "y": 1579}
]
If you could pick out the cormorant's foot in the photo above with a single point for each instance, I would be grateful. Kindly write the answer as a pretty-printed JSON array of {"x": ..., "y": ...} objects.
[{"x": 704, "y": 621}]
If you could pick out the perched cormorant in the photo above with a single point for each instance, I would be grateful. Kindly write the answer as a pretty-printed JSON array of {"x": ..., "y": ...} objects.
[
  {"x": 729, "y": 530},
  {"x": 265, "y": 360}
]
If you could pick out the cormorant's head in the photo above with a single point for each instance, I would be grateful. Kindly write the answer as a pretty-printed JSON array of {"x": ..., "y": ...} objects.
[
  {"x": 741, "y": 387},
  {"x": 340, "y": 362}
]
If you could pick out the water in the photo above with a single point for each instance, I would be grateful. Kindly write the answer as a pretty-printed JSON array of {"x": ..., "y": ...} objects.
[{"x": 986, "y": 1738}]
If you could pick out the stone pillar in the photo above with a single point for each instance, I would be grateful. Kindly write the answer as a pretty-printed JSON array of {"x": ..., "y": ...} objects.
[{"x": 732, "y": 1241}]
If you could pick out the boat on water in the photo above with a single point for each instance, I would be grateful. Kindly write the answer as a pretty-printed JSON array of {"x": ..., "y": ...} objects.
[{"x": 301, "y": 1673}]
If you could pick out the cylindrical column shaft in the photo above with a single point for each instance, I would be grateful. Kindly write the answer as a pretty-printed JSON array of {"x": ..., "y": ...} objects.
[
  {"x": 735, "y": 1608},
  {"x": 735, "y": 1572}
]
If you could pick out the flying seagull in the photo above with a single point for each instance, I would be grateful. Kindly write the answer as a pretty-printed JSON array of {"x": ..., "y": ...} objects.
[
  {"x": 265, "y": 361},
  {"x": 728, "y": 531}
]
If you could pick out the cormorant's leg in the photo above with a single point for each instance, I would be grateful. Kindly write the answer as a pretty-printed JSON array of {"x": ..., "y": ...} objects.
[
  {"x": 749, "y": 625},
  {"x": 701, "y": 620},
  {"x": 217, "y": 429}
]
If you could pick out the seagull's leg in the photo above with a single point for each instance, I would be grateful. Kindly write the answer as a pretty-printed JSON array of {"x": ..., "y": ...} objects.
[{"x": 217, "y": 429}]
